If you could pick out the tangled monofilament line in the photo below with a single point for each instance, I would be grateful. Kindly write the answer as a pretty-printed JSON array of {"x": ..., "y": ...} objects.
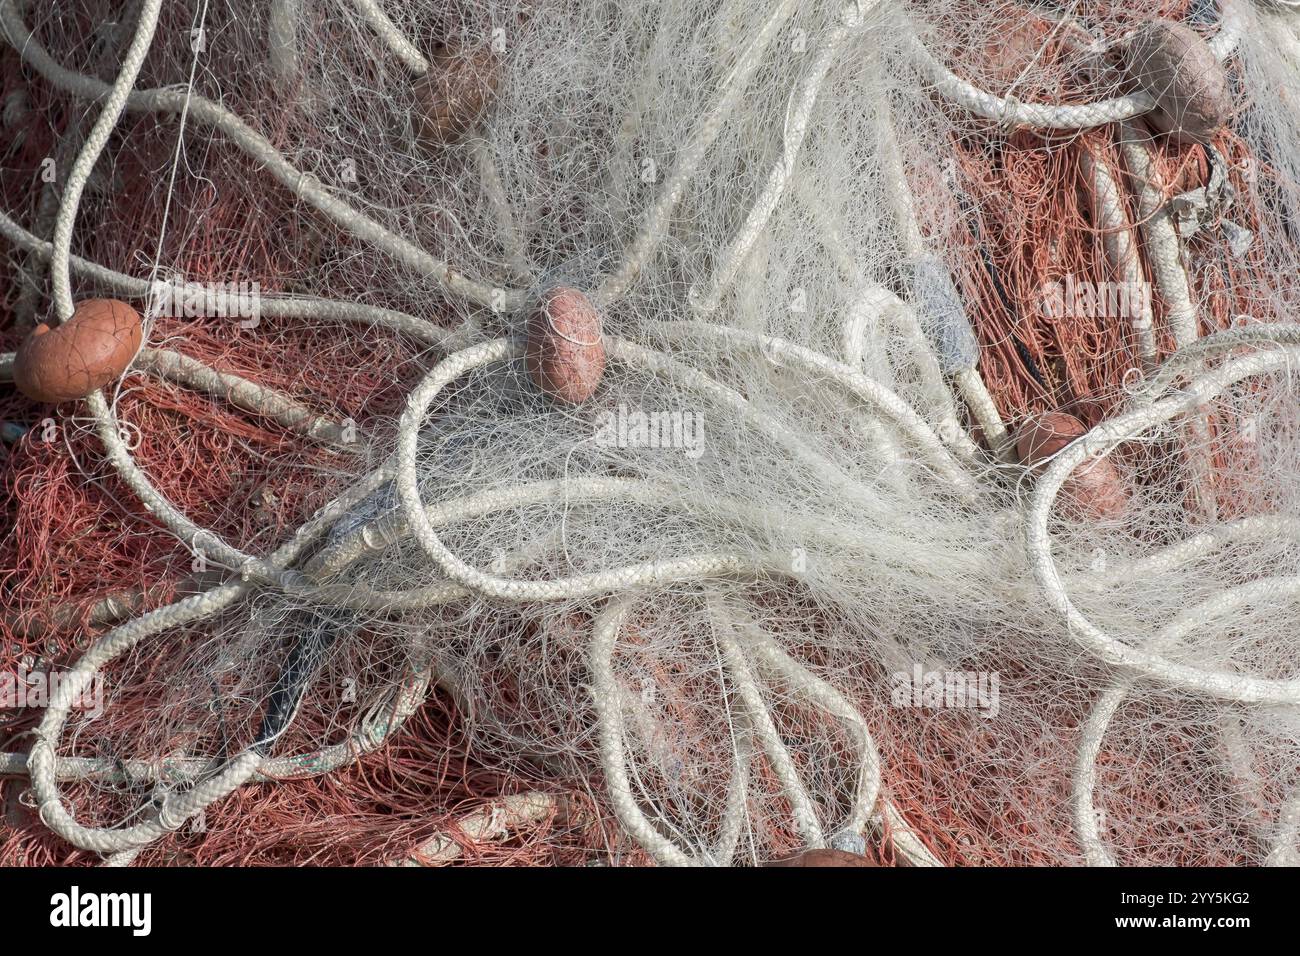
[{"x": 859, "y": 458}]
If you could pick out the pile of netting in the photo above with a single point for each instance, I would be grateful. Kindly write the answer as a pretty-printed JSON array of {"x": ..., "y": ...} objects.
[{"x": 689, "y": 432}]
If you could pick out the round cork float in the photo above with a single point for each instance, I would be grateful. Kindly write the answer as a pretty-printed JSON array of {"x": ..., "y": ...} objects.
[
  {"x": 455, "y": 93},
  {"x": 1172, "y": 63},
  {"x": 565, "y": 351},
  {"x": 85, "y": 353},
  {"x": 1093, "y": 490}
]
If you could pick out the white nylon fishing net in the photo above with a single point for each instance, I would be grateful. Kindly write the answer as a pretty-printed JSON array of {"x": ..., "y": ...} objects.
[{"x": 716, "y": 594}]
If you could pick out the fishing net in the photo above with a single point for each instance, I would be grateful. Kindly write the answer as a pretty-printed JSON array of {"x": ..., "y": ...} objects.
[{"x": 622, "y": 432}]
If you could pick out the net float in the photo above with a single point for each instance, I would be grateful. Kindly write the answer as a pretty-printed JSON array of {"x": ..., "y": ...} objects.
[
  {"x": 454, "y": 93},
  {"x": 1093, "y": 490},
  {"x": 565, "y": 352},
  {"x": 85, "y": 353},
  {"x": 824, "y": 857},
  {"x": 1172, "y": 63}
]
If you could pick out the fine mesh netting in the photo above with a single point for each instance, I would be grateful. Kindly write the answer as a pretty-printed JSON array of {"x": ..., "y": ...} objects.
[{"x": 924, "y": 482}]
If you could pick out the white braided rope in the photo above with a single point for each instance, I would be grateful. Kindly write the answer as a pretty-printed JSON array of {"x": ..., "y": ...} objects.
[
  {"x": 43, "y": 763},
  {"x": 42, "y": 760},
  {"x": 797, "y": 119},
  {"x": 759, "y": 723},
  {"x": 1013, "y": 113},
  {"x": 406, "y": 482},
  {"x": 610, "y": 732},
  {"x": 1120, "y": 245},
  {"x": 1221, "y": 684},
  {"x": 646, "y": 573},
  {"x": 1163, "y": 250},
  {"x": 302, "y": 185},
  {"x": 1088, "y": 821},
  {"x": 306, "y": 307},
  {"x": 1164, "y": 253},
  {"x": 242, "y": 393},
  {"x": 114, "y": 103},
  {"x": 781, "y": 667},
  {"x": 882, "y": 400},
  {"x": 970, "y": 385},
  {"x": 691, "y": 156},
  {"x": 738, "y": 649},
  {"x": 878, "y": 305},
  {"x": 393, "y": 38}
]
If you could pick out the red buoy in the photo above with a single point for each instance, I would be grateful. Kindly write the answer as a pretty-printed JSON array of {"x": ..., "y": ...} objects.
[
  {"x": 566, "y": 353},
  {"x": 454, "y": 94},
  {"x": 1171, "y": 62},
  {"x": 1095, "y": 489},
  {"x": 85, "y": 353}
]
